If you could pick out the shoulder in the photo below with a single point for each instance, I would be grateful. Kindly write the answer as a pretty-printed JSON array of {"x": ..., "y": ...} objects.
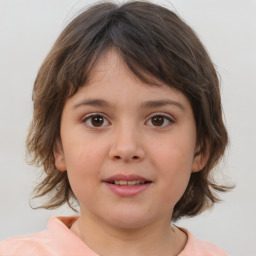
[
  {"x": 24, "y": 245},
  {"x": 197, "y": 247},
  {"x": 56, "y": 240}
]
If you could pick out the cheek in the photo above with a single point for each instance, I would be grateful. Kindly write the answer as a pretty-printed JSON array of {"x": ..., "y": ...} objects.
[
  {"x": 173, "y": 155},
  {"x": 84, "y": 161},
  {"x": 82, "y": 151},
  {"x": 83, "y": 164},
  {"x": 173, "y": 163}
]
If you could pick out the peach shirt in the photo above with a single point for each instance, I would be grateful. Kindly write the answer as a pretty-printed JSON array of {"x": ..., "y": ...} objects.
[{"x": 59, "y": 240}]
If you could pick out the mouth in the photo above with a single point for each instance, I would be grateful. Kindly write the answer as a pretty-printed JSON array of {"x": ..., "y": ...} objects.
[
  {"x": 127, "y": 185},
  {"x": 128, "y": 182}
]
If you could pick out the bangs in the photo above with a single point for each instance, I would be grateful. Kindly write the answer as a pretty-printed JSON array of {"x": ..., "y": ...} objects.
[
  {"x": 145, "y": 47},
  {"x": 157, "y": 46}
]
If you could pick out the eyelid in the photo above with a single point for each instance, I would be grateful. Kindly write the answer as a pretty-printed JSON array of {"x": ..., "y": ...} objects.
[
  {"x": 93, "y": 114},
  {"x": 169, "y": 117}
]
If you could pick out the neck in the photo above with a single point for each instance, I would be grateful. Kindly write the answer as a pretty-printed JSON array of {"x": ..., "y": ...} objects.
[{"x": 154, "y": 239}]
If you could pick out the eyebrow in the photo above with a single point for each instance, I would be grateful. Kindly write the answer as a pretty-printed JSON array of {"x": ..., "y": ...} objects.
[
  {"x": 161, "y": 103},
  {"x": 144, "y": 105},
  {"x": 92, "y": 102}
]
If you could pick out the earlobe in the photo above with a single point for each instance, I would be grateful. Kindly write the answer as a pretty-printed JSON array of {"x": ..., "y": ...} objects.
[
  {"x": 59, "y": 156},
  {"x": 200, "y": 160}
]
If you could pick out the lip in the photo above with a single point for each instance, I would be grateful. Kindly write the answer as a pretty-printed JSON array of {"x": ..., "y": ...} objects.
[
  {"x": 127, "y": 190},
  {"x": 127, "y": 177}
]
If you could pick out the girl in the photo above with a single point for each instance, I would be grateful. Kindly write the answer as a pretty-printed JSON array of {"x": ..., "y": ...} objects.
[{"x": 127, "y": 122}]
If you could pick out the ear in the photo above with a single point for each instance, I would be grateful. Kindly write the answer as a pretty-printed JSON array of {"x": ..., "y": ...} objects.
[
  {"x": 59, "y": 156},
  {"x": 200, "y": 159}
]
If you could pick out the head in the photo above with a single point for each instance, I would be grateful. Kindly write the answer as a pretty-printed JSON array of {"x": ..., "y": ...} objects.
[{"x": 157, "y": 47}]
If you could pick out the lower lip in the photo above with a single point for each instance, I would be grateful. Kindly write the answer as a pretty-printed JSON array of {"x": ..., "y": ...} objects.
[{"x": 128, "y": 191}]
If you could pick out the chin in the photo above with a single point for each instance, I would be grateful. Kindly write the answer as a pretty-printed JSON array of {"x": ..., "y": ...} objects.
[{"x": 128, "y": 220}]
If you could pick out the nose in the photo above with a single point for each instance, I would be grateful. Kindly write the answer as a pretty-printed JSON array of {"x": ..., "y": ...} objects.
[{"x": 127, "y": 145}]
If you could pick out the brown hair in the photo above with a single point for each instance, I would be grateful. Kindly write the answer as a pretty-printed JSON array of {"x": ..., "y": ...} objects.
[{"x": 154, "y": 42}]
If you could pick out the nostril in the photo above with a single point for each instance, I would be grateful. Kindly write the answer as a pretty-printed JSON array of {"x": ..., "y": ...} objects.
[{"x": 134, "y": 157}]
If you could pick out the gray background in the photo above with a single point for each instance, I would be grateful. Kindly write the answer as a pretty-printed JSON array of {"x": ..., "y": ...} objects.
[{"x": 28, "y": 29}]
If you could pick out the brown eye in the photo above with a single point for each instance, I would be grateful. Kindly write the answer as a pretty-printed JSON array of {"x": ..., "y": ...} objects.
[
  {"x": 160, "y": 121},
  {"x": 96, "y": 121},
  {"x": 157, "y": 120}
]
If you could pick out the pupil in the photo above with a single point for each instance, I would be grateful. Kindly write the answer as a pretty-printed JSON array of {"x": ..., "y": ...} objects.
[
  {"x": 97, "y": 121},
  {"x": 157, "y": 120}
]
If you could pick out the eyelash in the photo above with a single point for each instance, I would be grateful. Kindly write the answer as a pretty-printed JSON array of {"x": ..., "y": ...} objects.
[
  {"x": 167, "y": 118},
  {"x": 89, "y": 117}
]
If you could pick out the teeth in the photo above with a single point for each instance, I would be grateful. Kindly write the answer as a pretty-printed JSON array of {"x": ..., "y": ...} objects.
[
  {"x": 128, "y": 183},
  {"x": 131, "y": 183}
]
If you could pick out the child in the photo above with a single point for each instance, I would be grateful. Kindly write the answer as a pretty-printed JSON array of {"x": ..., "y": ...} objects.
[{"x": 127, "y": 122}]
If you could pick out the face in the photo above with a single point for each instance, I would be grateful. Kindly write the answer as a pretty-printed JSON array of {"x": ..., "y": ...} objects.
[{"x": 128, "y": 147}]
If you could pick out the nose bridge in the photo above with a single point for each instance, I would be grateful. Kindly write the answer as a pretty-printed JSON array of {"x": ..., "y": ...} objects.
[{"x": 126, "y": 144}]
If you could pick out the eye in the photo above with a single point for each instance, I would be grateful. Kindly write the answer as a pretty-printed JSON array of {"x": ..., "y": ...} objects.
[
  {"x": 160, "y": 121},
  {"x": 96, "y": 120}
]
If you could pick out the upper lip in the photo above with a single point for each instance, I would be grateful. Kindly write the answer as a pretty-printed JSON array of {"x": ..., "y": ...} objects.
[{"x": 126, "y": 177}]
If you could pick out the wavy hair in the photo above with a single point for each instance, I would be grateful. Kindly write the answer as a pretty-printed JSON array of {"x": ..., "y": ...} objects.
[{"x": 154, "y": 42}]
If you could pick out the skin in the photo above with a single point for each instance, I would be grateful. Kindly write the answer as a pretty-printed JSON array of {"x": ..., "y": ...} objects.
[{"x": 131, "y": 137}]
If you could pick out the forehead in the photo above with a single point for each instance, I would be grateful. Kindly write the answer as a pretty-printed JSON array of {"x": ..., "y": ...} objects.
[
  {"x": 112, "y": 83},
  {"x": 111, "y": 69},
  {"x": 110, "y": 64}
]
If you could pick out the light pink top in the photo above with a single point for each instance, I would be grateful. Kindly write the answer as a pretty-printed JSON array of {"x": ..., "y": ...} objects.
[{"x": 59, "y": 240}]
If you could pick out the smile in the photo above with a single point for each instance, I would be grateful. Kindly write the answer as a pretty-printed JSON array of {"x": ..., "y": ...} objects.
[{"x": 128, "y": 183}]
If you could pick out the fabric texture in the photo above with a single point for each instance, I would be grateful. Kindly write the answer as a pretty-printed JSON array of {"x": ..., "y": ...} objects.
[{"x": 59, "y": 240}]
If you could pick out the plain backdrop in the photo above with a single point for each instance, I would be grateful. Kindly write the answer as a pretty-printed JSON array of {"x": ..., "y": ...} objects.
[{"x": 28, "y": 28}]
